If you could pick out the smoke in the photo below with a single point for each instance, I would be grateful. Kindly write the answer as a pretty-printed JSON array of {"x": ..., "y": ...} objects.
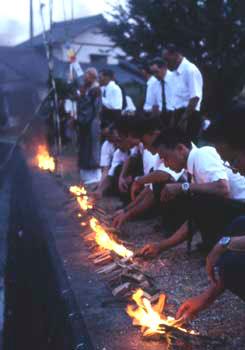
[{"x": 11, "y": 32}]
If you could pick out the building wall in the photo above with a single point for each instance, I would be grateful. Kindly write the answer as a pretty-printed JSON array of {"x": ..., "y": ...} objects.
[{"x": 91, "y": 42}]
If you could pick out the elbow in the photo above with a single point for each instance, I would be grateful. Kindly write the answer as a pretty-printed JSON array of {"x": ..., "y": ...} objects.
[{"x": 223, "y": 188}]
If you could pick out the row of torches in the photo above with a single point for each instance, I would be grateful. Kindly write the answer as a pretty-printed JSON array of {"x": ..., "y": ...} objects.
[{"x": 149, "y": 317}]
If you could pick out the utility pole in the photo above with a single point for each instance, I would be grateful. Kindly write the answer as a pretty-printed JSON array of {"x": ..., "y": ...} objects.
[
  {"x": 51, "y": 13},
  {"x": 31, "y": 21},
  {"x": 72, "y": 10}
]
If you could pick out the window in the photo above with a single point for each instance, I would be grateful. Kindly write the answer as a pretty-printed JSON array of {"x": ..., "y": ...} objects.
[{"x": 95, "y": 58}]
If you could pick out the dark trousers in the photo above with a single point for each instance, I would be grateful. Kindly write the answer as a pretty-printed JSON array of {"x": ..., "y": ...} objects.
[
  {"x": 212, "y": 215},
  {"x": 173, "y": 120},
  {"x": 232, "y": 264},
  {"x": 136, "y": 169},
  {"x": 109, "y": 116}
]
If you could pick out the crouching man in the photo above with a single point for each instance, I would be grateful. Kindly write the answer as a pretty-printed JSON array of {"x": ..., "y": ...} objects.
[
  {"x": 225, "y": 267},
  {"x": 215, "y": 196},
  {"x": 145, "y": 130}
]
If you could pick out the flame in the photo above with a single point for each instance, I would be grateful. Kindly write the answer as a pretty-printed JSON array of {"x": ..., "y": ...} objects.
[
  {"x": 44, "y": 160},
  {"x": 105, "y": 241},
  {"x": 149, "y": 318},
  {"x": 82, "y": 198},
  {"x": 84, "y": 203},
  {"x": 78, "y": 190}
]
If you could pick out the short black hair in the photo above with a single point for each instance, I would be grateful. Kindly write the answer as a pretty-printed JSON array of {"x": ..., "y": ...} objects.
[
  {"x": 108, "y": 73},
  {"x": 138, "y": 125},
  {"x": 172, "y": 48},
  {"x": 171, "y": 137},
  {"x": 160, "y": 62},
  {"x": 146, "y": 67}
]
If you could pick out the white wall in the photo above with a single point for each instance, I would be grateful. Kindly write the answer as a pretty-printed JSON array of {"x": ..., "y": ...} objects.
[{"x": 91, "y": 42}]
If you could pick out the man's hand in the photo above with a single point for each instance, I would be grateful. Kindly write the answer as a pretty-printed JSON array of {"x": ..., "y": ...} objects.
[
  {"x": 135, "y": 189},
  {"x": 149, "y": 250},
  {"x": 170, "y": 192},
  {"x": 212, "y": 260},
  {"x": 96, "y": 195},
  {"x": 123, "y": 184},
  {"x": 190, "y": 308},
  {"x": 119, "y": 219}
]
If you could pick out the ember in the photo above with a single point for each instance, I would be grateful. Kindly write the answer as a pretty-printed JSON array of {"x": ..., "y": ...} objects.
[
  {"x": 44, "y": 160},
  {"x": 103, "y": 239},
  {"x": 151, "y": 318}
]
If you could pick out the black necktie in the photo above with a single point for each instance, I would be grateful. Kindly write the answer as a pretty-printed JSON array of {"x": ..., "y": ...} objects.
[{"x": 164, "y": 107}]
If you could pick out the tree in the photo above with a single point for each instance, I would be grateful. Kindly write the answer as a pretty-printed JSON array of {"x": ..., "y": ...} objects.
[{"x": 210, "y": 32}]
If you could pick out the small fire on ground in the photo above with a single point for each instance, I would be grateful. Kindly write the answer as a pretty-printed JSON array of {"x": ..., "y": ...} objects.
[
  {"x": 78, "y": 190},
  {"x": 82, "y": 197},
  {"x": 104, "y": 240},
  {"x": 44, "y": 161},
  {"x": 152, "y": 319}
]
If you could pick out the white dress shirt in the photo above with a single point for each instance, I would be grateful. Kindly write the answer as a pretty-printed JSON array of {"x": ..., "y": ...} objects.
[
  {"x": 112, "y": 97},
  {"x": 156, "y": 93},
  {"x": 188, "y": 83},
  {"x": 119, "y": 157},
  {"x": 205, "y": 165},
  {"x": 106, "y": 155},
  {"x": 149, "y": 94}
]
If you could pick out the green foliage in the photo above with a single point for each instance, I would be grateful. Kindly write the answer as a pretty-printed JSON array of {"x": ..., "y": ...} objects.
[{"x": 210, "y": 32}]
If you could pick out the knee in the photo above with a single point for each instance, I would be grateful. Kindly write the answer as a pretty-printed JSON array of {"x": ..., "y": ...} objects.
[{"x": 237, "y": 227}]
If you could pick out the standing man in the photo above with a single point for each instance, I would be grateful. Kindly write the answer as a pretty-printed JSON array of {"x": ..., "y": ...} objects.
[
  {"x": 188, "y": 91},
  {"x": 89, "y": 105},
  {"x": 150, "y": 80},
  {"x": 162, "y": 89},
  {"x": 112, "y": 98}
]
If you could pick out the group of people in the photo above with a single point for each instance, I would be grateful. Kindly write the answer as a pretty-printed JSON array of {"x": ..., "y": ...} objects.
[{"x": 150, "y": 158}]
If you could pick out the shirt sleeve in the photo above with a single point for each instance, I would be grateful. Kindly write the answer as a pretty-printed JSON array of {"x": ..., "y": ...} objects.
[
  {"x": 195, "y": 83},
  {"x": 118, "y": 158},
  {"x": 113, "y": 99},
  {"x": 208, "y": 166},
  {"x": 149, "y": 97},
  {"x": 106, "y": 156}
]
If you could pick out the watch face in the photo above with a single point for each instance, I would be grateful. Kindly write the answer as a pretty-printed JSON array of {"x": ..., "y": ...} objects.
[
  {"x": 185, "y": 186},
  {"x": 225, "y": 241}
]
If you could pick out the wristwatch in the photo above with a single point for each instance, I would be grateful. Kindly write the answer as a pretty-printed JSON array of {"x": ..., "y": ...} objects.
[
  {"x": 224, "y": 241},
  {"x": 185, "y": 187}
]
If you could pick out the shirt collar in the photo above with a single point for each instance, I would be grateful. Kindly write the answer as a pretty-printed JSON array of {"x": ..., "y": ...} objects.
[
  {"x": 191, "y": 158},
  {"x": 181, "y": 67}
]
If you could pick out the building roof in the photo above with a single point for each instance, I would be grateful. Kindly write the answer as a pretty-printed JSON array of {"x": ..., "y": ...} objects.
[
  {"x": 64, "y": 31},
  {"x": 18, "y": 64},
  {"x": 122, "y": 73},
  {"x": 28, "y": 65}
]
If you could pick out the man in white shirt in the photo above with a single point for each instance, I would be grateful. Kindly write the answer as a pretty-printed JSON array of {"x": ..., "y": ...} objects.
[
  {"x": 215, "y": 196},
  {"x": 150, "y": 80},
  {"x": 162, "y": 93},
  {"x": 228, "y": 255},
  {"x": 143, "y": 199},
  {"x": 188, "y": 91},
  {"x": 112, "y": 98}
]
